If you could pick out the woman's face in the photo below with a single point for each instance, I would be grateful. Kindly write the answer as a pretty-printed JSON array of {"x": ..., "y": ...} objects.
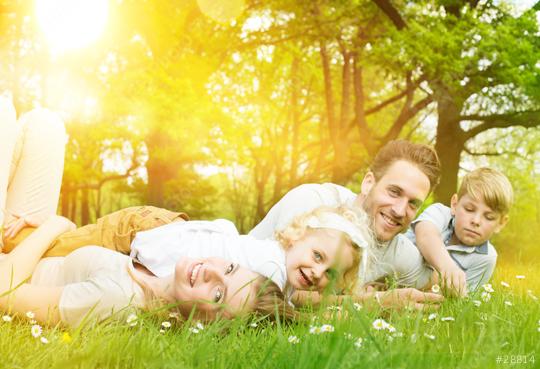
[{"x": 214, "y": 286}]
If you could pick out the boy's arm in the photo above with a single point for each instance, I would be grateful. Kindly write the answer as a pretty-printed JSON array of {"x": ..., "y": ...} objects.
[{"x": 431, "y": 246}]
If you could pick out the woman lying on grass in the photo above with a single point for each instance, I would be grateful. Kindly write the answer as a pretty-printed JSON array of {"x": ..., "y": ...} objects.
[{"x": 94, "y": 282}]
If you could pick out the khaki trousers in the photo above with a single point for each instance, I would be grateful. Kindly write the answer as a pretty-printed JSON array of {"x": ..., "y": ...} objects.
[{"x": 114, "y": 231}]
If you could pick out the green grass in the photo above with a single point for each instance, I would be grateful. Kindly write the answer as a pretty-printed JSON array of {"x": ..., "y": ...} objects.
[{"x": 475, "y": 339}]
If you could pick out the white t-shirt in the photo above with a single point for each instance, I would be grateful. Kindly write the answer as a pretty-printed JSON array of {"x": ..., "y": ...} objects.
[
  {"x": 399, "y": 258},
  {"x": 96, "y": 284},
  {"x": 159, "y": 249}
]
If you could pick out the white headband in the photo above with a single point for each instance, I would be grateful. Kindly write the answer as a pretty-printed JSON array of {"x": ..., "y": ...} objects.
[{"x": 339, "y": 223}]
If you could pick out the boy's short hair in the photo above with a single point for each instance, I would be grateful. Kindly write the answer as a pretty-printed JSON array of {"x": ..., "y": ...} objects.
[
  {"x": 491, "y": 186},
  {"x": 423, "y": 156}
]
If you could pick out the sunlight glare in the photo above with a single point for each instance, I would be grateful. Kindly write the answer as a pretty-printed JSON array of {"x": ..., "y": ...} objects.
[
  {"x": 222, "y": 11},
  {"x": 71, "y": 24}
]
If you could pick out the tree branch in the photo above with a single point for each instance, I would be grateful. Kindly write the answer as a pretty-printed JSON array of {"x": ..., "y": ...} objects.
[
  {"x": 391, "y": 12},
  {"x": 525, "y": 119}
]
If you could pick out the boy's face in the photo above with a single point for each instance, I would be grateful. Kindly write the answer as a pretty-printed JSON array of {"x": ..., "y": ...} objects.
[
  {"x": 475, "y": 222},
  {"x": 317, "y": 258},
  {"x": 393, "y": 200}
]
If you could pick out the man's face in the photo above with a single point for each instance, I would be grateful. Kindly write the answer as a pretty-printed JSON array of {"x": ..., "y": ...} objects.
[
  {"x": 393, "y": 200},
  {"x": 475, "y": 221}
]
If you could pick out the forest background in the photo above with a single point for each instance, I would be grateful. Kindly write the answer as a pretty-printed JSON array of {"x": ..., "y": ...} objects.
[{"x": 218, "y": 108}]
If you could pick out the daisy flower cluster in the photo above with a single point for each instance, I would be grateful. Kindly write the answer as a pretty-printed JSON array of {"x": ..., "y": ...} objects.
[
  {"x": 486, "y": 294},
  {"x": 197, "y": 328},
  {"x": 325, "y": 328}
]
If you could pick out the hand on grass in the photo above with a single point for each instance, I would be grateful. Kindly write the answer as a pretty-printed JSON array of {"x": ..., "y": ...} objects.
[
  {"x": 453, "y": 281},
  {"x": 408, "y": 298}
]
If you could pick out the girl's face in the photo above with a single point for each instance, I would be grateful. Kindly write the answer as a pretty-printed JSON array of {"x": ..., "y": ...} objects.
[
  {"x": 214, "y": 286},
  {"x": 317, "y": 258}
]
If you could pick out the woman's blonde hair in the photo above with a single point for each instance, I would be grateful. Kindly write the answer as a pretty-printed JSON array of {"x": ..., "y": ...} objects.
[
  {"x": 269, "y": 302},
  {"x": 298, "y": 228}
]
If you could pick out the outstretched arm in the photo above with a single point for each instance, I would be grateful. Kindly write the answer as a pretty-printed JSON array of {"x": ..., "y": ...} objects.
[
  {"x": 431, "y": 245},
  {"x": 397, "y": 299},
  {"x": 17, "y": 266}
]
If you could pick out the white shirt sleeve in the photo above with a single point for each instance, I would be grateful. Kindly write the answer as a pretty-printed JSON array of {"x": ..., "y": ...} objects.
[
  {"x": 97, "y": 284},
  {"x": 300, "y": 200},
  {"x": 437, "y": 214},
  {"x": 96, "y": 298}
]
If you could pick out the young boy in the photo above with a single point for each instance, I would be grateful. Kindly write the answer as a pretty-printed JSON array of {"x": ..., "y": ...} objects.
[{"x": 479, "y": 210}]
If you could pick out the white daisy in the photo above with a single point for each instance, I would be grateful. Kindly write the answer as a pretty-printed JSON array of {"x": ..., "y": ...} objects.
[
  {"x": 504, "y": 284},
  {"x": 44, "y": 340},
  {"x": 193, "y": 330},
  {"x": 435, "y": 288},
  {"x": 30, "y": 315},
  {"x": 293, "y": 340},
  {"x": 314, "y": 329},
  {"x": 166, "y": 324},
  {"x": 432, "y": 316},
  {"x": 391, "y": 328},
  {"x": 253, "y": 325},
  {"x": 447, "y": 319},
  {"x": 488, "y": 287},
  {"x": 7, "y": 318},
  {"x": 132, "y": 320},
  {"x": 199, "y": 326},
  {"x": 36, "y": 330},
  {"x": 327, "y": 328},
  {"x": 162, "y": 331},
  {"x": 357, "y": 306},
  {"x": 379, "y": 324}
]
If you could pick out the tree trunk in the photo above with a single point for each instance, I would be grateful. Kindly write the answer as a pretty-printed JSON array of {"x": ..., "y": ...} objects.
[
  {"x": 158, "y": 167},
  {"x": 73, "y": 205},
  {"x": 450, "y": 142},
  {"x": 85, "y": 207},
  {"x": 295, "y": 128}
]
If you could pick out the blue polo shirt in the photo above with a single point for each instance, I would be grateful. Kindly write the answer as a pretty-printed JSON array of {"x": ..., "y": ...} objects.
[{"x": 478, "y": 262}]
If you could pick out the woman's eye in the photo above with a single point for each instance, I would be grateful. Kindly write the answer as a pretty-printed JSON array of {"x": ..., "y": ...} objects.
[
  {"x": 230, "y": 268},
  {"x": 317, "y": 255},
  {"x": 217, "y": 297}
]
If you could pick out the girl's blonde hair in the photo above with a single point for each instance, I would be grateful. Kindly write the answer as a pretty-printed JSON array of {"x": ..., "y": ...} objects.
[{"x": 298, "y": 228}]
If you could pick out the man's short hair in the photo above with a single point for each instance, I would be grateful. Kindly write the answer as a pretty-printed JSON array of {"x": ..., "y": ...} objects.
[
  {"x": 488, "y": 185},
  {"x": 423, "y": 156}
]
